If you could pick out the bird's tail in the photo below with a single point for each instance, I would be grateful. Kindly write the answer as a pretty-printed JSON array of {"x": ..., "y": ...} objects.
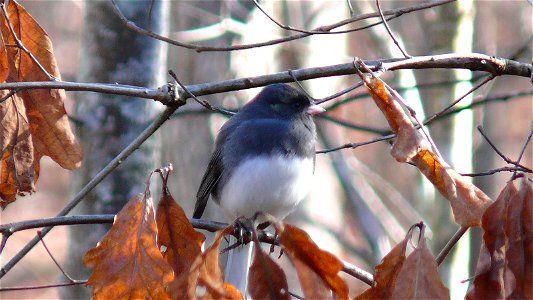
[{"x": 239, "y": 260}]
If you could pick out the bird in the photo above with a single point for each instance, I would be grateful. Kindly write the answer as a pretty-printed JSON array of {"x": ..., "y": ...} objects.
[{"x": 263, "y": 161}]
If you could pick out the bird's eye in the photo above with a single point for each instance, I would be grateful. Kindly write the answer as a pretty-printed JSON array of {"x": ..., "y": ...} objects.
[{"x": 297, "y": 105}]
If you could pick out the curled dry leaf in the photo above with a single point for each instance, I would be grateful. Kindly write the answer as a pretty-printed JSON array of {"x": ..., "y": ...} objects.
[
  {"x": 266, "y": 279},
  {"x": 418, "y": 277},
  {"x": 468, "y": 202},
  {"x": 386, "y": 272},
  {"x": 504, "y": 265},
  {"x": 317, "y": 269},
  {"x": 34, "y": 122},
  {"x": 127, "y": 263},
  {"x": 180, "y": 241},
  {"x": 205, "y": 279}
]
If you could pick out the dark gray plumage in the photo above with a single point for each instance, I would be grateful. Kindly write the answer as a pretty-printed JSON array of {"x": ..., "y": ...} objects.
[{"x": 276, "y": 126}]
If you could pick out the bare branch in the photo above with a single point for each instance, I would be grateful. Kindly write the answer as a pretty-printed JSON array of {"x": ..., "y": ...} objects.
[
  {"x": 355, "y": 145},
  {"x": 55, "y": 261},
  {"x": 449, "y": 246},
  {"x": 37, "y": 287},
  {"x": 390, "y": 31},
  {"x": 477, "y": 86},
  {"x": 474, "y": 62},
  {"x": 395, "y": 13},
  {"x": 505, "y": 158},
  {"x": 494, "y": 171}
]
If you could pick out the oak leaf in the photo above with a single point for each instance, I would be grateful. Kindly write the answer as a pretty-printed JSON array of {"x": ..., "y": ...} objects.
[
  {"x": 266, "y": 279},
  {"x": 34, "y": 122},
  {"x": 317, "y": 269},
  {"x": 180, "y": 241},
  {"x": 418, "y": 277},
  {"x": 205, "y": 279},
  {"x": 386, "y": 273},
  {"x": 504, "y": 268},
  {"x": 468, "y": 202},
  {"x": 127, "y": 263}
]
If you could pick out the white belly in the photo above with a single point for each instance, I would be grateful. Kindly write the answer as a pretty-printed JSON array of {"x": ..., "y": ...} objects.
[{"x": 269, "y": 184}]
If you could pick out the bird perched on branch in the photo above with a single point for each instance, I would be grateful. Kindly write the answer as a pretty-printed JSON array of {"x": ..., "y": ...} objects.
[{"x": 263, "y": 161}]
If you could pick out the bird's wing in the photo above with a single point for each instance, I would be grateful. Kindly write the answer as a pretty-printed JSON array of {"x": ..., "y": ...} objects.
[{"x": 211, "y": 177}]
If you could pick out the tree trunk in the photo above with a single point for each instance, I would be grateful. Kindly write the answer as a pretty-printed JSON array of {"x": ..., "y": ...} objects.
[{"x": 113, "y": 53}]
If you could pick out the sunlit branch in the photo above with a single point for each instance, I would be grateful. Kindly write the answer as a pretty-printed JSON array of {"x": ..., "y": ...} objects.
[
  {"x": 449, "y": 246},
  {"x": 474, "y": 62}
]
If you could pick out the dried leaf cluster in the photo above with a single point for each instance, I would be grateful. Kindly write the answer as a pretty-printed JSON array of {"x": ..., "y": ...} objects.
[
  {"x": 160, "y": 257},
  {"x": 33, "y": 122}
]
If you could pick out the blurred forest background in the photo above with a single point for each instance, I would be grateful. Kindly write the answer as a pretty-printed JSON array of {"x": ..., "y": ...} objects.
[{"x": 363, "y": 200}]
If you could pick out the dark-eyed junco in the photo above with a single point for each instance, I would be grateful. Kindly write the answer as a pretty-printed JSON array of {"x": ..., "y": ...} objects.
[{"x": 264, "y": 156}]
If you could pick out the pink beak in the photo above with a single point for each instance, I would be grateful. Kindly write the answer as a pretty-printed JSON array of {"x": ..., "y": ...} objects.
[{"x": 315, "y": 109}]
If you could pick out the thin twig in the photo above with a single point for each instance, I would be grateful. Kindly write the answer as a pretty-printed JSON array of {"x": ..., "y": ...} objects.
[
  {"x": 338, "y": 94},
  {"x": 21, "y": 45},
  {"x": 449, "y": 246},
  {"x": 477, "y": 86},
  {"x": 494, "y": 171},
  {"x": 36, "y": 287},
  {"x": 55, "y": 261},
  {"x": 505, "y": 158},
  {"x": 390, "y": 31},
  {"x": 394, "y": 13},
  {"x": 355, "y": 145},
  {"x": 528, "y": 139},
  {"x": 203, "y": 103}
]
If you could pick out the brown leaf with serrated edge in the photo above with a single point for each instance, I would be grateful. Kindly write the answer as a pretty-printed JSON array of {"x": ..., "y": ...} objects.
[
  {"x": 419, "y": 278},
  {"x": 47, "y": 124},
  {"x": 127, "y": 263},
  {"x": 205, "y": 279},
  {"x": 504, "y": 265},
  {"x": 181, "y": 243},
  {"x": 266, "y": 279},
  {"x": 468, "y": 202},
  {"x": 308, "y": 258},
  {"x": 386, "y": 272}
]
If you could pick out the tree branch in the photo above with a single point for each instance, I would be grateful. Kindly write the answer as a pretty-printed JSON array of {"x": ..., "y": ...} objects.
[
  {"x": 395, "y": 13},
  {"x": 473, "y": 61}
]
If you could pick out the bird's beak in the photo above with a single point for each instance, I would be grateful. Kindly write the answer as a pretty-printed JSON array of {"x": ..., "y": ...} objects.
[{"x": 314, "y": 109}]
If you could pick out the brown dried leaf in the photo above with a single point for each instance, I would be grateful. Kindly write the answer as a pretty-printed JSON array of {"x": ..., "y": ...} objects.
[
  {"x": 4, "y": 64},
  {"x": 44, "y": 112},
  {"x": 309, "y": 260},
  {"x": 127, "y": 263},
  {"x": 387, "y": 272},
  {"x": 504, "y": 266},
  {"x": 17, "y": 170},
  {"x": 182, "y": 243},
  {"x": 266, "y": 279},
  {"x": 467, "y": 201},
  {"x": 418, "y": 277},
  {"x": 205, "y": 279}
]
